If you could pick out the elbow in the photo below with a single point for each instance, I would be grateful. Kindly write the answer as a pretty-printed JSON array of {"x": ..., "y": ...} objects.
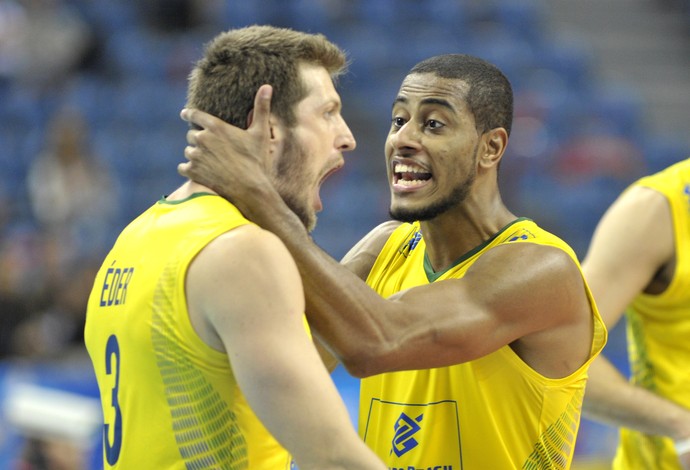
[
  {"x": 366, "y": 362},
  {"x": 358, "y": 368}
]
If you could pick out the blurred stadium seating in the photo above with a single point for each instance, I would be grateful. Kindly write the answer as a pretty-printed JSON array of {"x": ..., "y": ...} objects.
[{"x": 133, "y": 88}]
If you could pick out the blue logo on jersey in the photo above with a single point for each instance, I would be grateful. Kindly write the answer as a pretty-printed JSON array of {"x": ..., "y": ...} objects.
[
  {"x": 411, "y": 245},
  {"x": 521, "y": 234},
  {"x": 405, "y": 428},
  {"x": 686, "y": 190}
]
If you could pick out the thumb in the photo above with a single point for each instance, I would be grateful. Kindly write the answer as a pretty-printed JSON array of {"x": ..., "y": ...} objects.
[{"x": 262, "y": 110}]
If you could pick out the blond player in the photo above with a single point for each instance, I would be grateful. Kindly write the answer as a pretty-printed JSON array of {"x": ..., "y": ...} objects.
[{"x": 195, "y": 324}]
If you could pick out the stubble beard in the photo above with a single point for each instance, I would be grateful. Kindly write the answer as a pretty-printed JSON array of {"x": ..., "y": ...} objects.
[
  {"x": 436, "y": 208},
  {"x": 289, "y": 177}
]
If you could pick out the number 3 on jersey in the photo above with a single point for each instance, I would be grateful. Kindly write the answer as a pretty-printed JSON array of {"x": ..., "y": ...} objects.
[{"x": 112, "y": 367}]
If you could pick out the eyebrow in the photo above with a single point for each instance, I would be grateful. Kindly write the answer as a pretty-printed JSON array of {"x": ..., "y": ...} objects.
[
  {"x": 332, "y": 102},
  {"x": 427, "y": 101}
]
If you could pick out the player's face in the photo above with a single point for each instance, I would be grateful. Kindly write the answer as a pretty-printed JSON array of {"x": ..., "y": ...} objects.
[
  {"x": 313, "y": 149},
  {"x": 431, "y": 149}
]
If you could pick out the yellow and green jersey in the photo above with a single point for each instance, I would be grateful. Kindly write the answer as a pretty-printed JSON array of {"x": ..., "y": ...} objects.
[
  {"x": 494, "y": 412},
  {"x": 658, "y": 328},
  {"x": 169, "y": 400}
]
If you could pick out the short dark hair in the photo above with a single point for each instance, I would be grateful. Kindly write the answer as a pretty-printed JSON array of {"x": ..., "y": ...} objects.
[
  {"x": 490, "y": 95},
  {"x": 237, "y": 62}
]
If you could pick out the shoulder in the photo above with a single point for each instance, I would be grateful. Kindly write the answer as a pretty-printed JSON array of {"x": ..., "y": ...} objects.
[
  {"x": 639, "y": 215},
  {"x": 362, "y": 256},
  {"x": 377, "y": 237},
  {"x": 531, "y": 279},
  {"x": 245, "y": 250},
  {"x": 674, "y": 179},
  {"x": 633, "y": 239},
  {"x": 531, "y": 257},
  {"x": 641, "y": 196},
  {"x": 247, "y": 269}
]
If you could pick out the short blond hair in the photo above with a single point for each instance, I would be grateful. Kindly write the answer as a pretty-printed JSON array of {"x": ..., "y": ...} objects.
[{"x": 237, "y": 62}]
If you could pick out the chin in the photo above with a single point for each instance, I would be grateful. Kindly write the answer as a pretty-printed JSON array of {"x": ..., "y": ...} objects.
[
  {"x": 413, "y": 214},
  {"x": 308, "y": 219},
  {"x": 310, "y": 225},
  {"x": 403, "y": 214}
]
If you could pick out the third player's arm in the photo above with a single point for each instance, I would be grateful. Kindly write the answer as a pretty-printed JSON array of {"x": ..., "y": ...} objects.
[{"x": 630, "y": 245}]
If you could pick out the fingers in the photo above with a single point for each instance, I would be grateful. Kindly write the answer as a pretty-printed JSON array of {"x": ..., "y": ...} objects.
[
  {"x": 186, "y": 168},
  {"x": 189, "y": 151},
  {"x": 262, "y": 110},
  {"x": 183, "y": 168},
  {"x": 261, "y": 113},
  {"x": 191, "y": 136},
  {"x": 212, "y": 142},
  {"x": 200, "y": 118}
]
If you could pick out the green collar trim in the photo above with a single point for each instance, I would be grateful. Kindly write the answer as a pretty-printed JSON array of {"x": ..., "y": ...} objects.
[
  {"x": 162, "y": 200},
  {"x": 432, "y": 276}
]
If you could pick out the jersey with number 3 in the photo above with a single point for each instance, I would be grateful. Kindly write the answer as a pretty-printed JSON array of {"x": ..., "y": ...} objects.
[
  {"x": 494, "y": 412},
  {"x": 169, "y": 400}
]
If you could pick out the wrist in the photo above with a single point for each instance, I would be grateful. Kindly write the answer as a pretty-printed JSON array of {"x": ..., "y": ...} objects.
[
  {"x": 254, "y": 198},
  {"x": 265, "y": 207}
]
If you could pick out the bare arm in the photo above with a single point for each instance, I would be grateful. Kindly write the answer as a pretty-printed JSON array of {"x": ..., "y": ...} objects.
[
  {"x": 359, "y": 260},
  {"x": 361, "y": 257},
  {"x": 246, "y": 288},
  {"x": 489, "y": 308},
  {"x": 632, "y": 242}
]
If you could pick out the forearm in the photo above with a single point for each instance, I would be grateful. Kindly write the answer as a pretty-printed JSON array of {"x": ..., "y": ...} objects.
[
  {"x": 611, "y": 399},
  {"x": 340, "y": 307},
  {"x": 299, "y": 404}
]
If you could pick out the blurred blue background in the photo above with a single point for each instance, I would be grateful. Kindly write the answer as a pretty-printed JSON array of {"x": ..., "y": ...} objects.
[{"x": 90, "y": 92}]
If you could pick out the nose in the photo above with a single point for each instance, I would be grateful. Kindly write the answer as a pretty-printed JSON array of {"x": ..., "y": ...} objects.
[
  {"x": 406, "y": 136},
  {"x": 345, "y": 141}
]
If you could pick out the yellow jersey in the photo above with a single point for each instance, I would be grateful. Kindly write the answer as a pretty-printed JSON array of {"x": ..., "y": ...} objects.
[
  {"x": 494, "y": 412},
  {"x": 169, "y": 400},
  {"x": 658, "y": 330}
]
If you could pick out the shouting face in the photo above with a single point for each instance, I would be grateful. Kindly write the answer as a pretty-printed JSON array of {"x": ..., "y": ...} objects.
[
  {"x": 313, "y": 149},
  {"x": 431, "y": 149}
]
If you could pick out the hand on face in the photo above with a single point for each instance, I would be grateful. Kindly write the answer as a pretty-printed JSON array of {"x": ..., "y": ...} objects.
[{"x": 227, "y": 159}]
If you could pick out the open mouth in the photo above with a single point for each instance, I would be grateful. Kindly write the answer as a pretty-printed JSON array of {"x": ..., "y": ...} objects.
[
  {"x": 318, "y": 206},
  {"x": 330, "y": 172},
  {"x": 409, "y": 175}
]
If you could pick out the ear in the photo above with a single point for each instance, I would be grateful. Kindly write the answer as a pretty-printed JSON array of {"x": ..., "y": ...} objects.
[
  {"x": 494, "y": 143},
  {"x": 277, "y": 132}
]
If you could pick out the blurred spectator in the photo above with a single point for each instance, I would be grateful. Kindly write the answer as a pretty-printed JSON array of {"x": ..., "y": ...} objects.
[
  {"x": 72, "y": 194},
  {"x": 41, "y": 41},
  {"x": 12, "y": 17},
  {"x": 73, "y": 199},
  {"x": 56, "y": 329},
  {"x": 20, "y": 284},
  {"x": 42, "y": 296}
]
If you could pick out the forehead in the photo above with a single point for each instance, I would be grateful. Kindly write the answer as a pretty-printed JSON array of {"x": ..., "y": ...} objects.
[
  {"x": 319, "y": 85},
  {"x": 428, "y": 88}
]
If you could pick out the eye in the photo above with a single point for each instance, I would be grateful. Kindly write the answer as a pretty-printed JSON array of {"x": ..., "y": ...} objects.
[
  {"x": 331, "y": 111},
  {"x": 434, "y": 124},
  {"x": 398, "y": 122}
]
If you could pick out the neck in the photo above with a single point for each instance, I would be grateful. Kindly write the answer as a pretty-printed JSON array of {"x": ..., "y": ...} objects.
[
  {"x": 454, "y": 233},
  {"x": 187, "y": 189}
]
